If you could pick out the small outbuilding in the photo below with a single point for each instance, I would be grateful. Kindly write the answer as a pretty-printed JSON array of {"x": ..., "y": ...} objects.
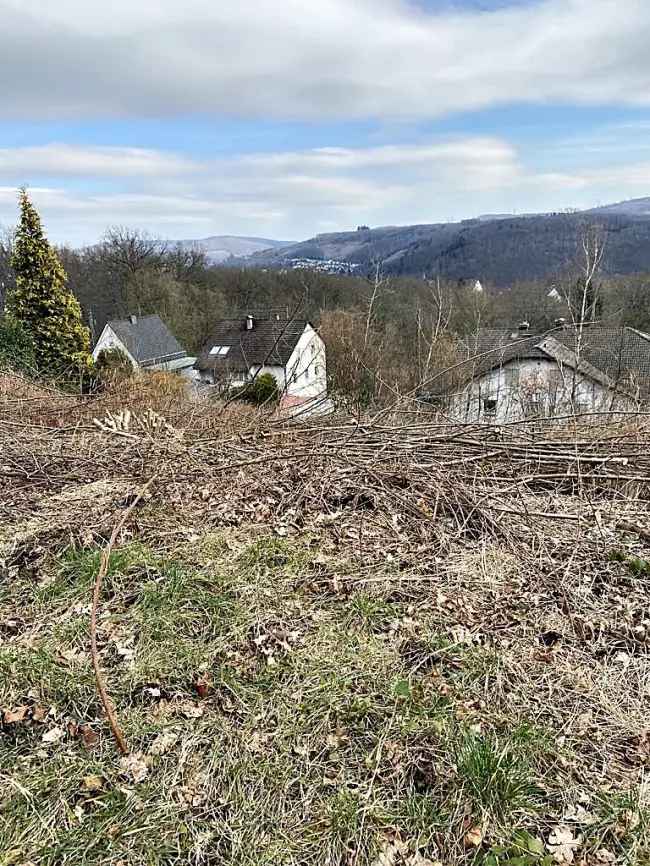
[{"x": 148, "y": 344}]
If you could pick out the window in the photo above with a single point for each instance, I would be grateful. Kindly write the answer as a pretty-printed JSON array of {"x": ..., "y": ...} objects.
[
  {"x": 316, "y": 370},
  {"x": 313, "y": 350},
  {"x": 220, "y": 350},
  {"x": 490, "y": 406}
]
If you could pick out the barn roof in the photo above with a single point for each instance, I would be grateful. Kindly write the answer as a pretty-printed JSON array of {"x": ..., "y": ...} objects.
[{"x": 270, "y": 342}]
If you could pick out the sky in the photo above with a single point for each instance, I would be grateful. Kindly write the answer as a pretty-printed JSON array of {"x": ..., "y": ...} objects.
[{"x": 286, "y": 118}]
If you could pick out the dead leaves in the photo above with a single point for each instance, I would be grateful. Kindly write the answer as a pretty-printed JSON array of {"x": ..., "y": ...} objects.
[
  {"x": 134, "y": 767},
  {"x": 395, "y": 851},
  {"x": 636, "y": 749},
  {"x": 562, "y": 845},
  {"x": 82, "y": 731},
  {"x": 474, "y": 837},
  {"x": 88, "y": 737},
  {"x": 24, "y": 713},
  {"x": 337, "y": 739},
  {"x": 27, "y": 714},
  {"x": 18, "y": 714},
  {"x": 93, "y": 783},
  {"x": 54, "y": 735},
  {"x": 272, "y": 640}
]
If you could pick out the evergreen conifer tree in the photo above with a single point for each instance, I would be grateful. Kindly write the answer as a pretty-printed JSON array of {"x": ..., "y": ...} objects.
[{"x": 41, "y": 302}]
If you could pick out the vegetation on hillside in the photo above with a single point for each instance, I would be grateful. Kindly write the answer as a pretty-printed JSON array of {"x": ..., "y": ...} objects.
[
  {"x": 500, "y": 251},
  {"x": 385, "y": 334}
]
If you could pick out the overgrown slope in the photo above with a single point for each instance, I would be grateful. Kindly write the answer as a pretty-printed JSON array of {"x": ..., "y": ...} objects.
[{"x": 342, "y": 645}]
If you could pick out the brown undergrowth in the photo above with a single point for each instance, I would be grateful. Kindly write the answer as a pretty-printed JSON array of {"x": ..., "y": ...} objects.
[{"x": 331, "y": 643}]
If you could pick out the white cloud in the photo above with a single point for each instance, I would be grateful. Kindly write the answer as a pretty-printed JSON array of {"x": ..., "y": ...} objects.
[
  {"x": 296, "y": 194},
  {"x": 325, "y": 59},
  {"x": 71, "y": 160}
]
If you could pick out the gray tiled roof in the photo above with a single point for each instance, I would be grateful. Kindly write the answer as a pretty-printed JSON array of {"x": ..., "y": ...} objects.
[
  {"x": 270, "y": 342},
  {"x": 148, "y": 339},
  {"x": 621, "y": 354}
]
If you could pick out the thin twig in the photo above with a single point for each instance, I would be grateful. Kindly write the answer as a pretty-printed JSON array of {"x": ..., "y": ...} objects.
[{"x": 101, "y": 574}]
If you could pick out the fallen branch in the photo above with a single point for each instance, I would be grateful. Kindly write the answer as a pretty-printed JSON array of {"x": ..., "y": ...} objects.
[
  {"x": 101, "y": 574},
  {"x": 628, "y": 526}
]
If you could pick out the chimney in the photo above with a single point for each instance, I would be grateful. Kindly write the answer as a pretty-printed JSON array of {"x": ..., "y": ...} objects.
[
  {"x": 250, "y": 323},
  {"x": 560, "y": 322},
  {"x": 133, "y": 319},
  {"x": 523, "y": 329}
]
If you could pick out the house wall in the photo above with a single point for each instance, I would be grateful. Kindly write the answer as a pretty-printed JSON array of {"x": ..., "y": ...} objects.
[
  {"x": 526, "y": 388},
  {"x": 109, "y": 340},
  {"x": 229, "y": 380},
  {"x": 306, "y": 371}
]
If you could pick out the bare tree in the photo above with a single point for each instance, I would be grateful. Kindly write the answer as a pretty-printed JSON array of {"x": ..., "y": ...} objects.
[
  {"x": 432, "y": 324},
  {"x": 131, "y": 250},
  {"x": 584, "y": 304},
  {"x": 591, "y": 249}
]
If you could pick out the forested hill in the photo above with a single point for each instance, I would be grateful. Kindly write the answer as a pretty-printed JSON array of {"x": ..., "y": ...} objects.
[{"x": 502, "y": 250}]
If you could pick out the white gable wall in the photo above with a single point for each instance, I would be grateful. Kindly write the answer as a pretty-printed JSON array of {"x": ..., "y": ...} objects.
[
  {"x": 109, "y": 340},
  {"x": 528, "y": 387},
  {"x": 306, "y": 371}
]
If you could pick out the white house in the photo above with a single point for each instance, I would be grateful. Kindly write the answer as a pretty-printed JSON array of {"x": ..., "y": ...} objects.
[
  {"x": 512, "y": 375},
  {"x": 148, "y": 344},
  {"x": 240, "y": 350}
]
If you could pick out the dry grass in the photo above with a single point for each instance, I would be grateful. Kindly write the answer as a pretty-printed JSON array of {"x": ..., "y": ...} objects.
[{"x": 382, "y": 645}]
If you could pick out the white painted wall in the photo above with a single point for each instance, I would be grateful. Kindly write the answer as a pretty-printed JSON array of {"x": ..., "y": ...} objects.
[
  {"x": 256, "y": 371},
  {"x": 306, "y": 372},
  {"x": 555, "y": 389},
  {"x": 109, "y": 340}
]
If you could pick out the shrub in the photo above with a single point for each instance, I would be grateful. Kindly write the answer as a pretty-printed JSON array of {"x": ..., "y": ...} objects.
[
  {"x": 16, "y": 346},
  {"x": 262, "y": 390},
  {"x": 113, "y": 365}
]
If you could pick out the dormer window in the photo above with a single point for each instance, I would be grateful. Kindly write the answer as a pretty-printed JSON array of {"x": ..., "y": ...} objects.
[{"x": 220, "y": 350}]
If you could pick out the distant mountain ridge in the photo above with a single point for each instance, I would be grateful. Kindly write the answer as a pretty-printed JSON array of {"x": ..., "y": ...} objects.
[
  {"x": 220, "y": 248},
  {"x": 500, "y": 248},
  {"x": 637, "y": 207}
]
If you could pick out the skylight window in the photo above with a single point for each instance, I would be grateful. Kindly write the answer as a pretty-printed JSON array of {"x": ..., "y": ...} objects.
[{"x": 220, "y": 350}]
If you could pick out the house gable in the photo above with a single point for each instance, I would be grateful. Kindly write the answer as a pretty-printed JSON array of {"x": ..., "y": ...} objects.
[
  {"x": 147, "y": 342},
  {"x": 306, "y": 369},
  {"x": 108, "y": 340}
]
